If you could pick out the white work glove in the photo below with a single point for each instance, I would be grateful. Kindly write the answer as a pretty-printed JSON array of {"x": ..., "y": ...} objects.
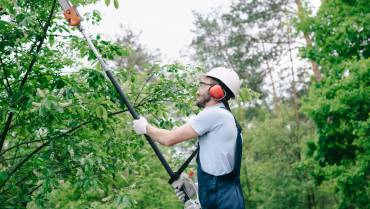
[
  {"x": 140, "y": 125},
  {"x": 189, "y": 187},
  {"x": 180, "y": 194},
  {"x": 192, "y": 204}
]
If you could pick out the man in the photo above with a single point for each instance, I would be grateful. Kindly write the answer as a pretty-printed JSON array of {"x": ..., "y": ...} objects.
[{"x": 219, "y": 140}]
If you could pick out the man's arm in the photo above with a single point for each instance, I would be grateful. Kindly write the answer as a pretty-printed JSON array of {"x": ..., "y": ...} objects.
[{"x": 169, "y": 138}]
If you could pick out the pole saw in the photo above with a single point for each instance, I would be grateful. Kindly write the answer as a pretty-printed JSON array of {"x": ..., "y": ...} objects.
[{"x": 73, "y": 17}]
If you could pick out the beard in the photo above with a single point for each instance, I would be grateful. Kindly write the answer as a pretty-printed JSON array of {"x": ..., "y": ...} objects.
[{"x": 202, "y": 101}]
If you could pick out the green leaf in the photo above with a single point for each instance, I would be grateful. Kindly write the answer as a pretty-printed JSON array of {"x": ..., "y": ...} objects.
[
  {"x": 101, "y": 112},
  {"x": 116, "y": 4},
  {"x": 36, "y": 104},
  {"x": 107, "y": 2},
  {"x": 40, "y": 93},
  {"x": 63, "y": 104},
  {"x": 42, "y": 110},
  {"x": 51, "y": 40},
  {"x": 3, "y": 175}
]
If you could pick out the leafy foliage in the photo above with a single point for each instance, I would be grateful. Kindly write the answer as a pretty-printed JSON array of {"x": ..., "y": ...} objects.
[
  {"x": 339, "y": 105},
  {"x": 286, "y": 166},
  {"x": 257, "y": 39},
  {"x": 279, "y": 171},
  {"x": 66, "y": 141}
]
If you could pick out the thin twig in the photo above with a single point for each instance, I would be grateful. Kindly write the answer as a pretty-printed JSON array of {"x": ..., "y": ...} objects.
[
  {"x": 6, "y": 129},
  {"x": 64, "y": 36},
  {"x": 41, "y": 42},
  {"x": 7, "y": 86},
  {"x": 47, "y": 143},
  {"x": 20, "y": 144},
  {"x": 142, "y": 88}
]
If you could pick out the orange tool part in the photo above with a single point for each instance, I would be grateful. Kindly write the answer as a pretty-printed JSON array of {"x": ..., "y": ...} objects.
[{"x": 72, "y": 17}]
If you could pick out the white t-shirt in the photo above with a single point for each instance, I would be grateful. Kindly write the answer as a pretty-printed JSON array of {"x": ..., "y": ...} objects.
[{"x": 217, "y": 139}]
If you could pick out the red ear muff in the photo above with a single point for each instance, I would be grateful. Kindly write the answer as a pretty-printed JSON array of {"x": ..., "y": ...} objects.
[{"x": 216, "y": 92}]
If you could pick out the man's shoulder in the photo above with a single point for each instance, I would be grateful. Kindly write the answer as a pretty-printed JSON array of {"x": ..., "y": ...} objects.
[{"x": 215, "y": 112}]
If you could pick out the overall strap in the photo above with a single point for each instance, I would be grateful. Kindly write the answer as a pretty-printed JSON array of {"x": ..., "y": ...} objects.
[
  {"x": 235, "y": 173},
  {"x": 238, "y": 151}
]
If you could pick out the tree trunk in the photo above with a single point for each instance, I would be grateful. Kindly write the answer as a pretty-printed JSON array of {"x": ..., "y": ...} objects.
[
  {"x": 269, "y": 72},
  {"x": 294, "y": 97},
  {"x": 314, "y": 65}
]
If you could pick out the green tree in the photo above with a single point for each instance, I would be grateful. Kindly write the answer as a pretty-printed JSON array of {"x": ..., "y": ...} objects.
[
  {"x": 257, "y": 39},
  {"x": 65, "y": 141},
  {"x": 279, "y": 169},
  {"x": 339, "y": 105}
]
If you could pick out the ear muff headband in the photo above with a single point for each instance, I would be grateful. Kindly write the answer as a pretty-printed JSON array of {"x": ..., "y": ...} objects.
[{"x": 216, "y": 92}]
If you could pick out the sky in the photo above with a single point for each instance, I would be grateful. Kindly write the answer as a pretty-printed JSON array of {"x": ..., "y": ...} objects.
[{"x": 164, "y": 24}]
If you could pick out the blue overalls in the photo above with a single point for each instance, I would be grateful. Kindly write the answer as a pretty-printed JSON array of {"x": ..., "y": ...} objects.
[{"x": 222, "y": 192}]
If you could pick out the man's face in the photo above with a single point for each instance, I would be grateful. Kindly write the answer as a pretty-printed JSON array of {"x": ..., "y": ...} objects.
[{"x": 203, "y": 91}]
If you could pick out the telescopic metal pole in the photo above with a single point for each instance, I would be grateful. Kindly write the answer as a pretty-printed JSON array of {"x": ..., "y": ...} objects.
[{"x": 75, "y": 20}]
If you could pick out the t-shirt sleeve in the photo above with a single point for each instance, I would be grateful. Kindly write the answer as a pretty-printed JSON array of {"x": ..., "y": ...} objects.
[{"x": 204, "y": 121}]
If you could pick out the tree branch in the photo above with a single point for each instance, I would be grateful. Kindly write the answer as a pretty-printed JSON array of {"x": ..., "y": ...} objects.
[
  {"x": 20, "y": 144},
  {"x": 33, "y": 61},
  {"x": 20, "y": 164},
  {"x": 63, "y": 36},
  {"x": 34, "y": 189},
  {"x": 38, "y": 149},
  {"x": 6, "y": 129},
  {"x": 15, "y": 157},
  {"x": 142, "y": 88},
  {"x": 141, "y": 103},
  {"x": 41, "y": 42},
  {"x": 37, "y": 187},
  {"x": 7, "y": 86}
]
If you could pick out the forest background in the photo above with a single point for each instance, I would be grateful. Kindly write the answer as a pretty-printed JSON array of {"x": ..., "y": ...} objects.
[{"x": 66, "y": 142}]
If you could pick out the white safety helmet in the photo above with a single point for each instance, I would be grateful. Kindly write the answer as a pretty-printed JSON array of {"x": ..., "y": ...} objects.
[{"x": 228, "y": 77}]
